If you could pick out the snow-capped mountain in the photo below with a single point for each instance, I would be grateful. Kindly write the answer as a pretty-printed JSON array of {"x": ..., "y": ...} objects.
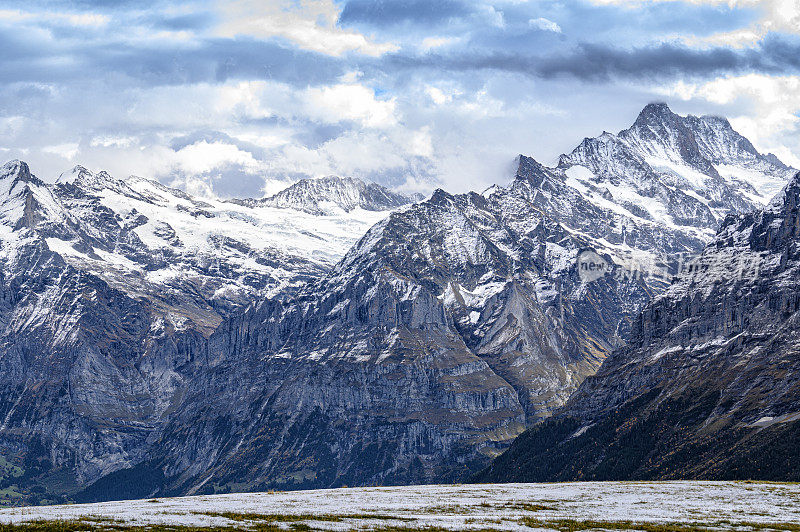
[
  {"x": 108, "y": 289},
  {"x": 683, "y": 172},
  {"x": 333, "y": 194},
  {"x": 707, "y": 387},
  {"x": 138, "y": 234},
  {"x": 427, "y": 349},
  {"x": 444, "y": 332}
]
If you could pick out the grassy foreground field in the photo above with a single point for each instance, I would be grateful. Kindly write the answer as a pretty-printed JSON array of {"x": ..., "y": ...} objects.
[{"x": 566, "y": 507}]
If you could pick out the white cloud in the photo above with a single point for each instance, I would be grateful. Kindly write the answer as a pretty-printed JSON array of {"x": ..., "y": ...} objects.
[
  {"x": 420, "y": 142},
  {"x": 11, "y": 125},
  {"x": 202, "y": 157},
  {"x": 108, "y": 141},
  {"x": 72, "y": 19},
  {"x": 438, "y": 95},
  {"x": 350, "y": 102},
  {"x": 67, "y": 150},
  {"x": 311, "y": 24},
  {"x": 776, "y": 16},
  {"x": 429, "y": 43},
  {"x": 544, "y": 24}
]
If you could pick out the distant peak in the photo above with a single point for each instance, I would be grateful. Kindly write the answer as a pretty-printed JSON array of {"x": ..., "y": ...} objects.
[
  {"x": 77, "y": 173},
  {"x": 526, "y": 164},
  {"x": 16, "y": 170},
  {"x": 657, "y": 108},
  {"x": 439, "y": 196},
  {"x": 771, "y": 157},
  {"x": 531, "y": 170},
  {"x": 81, "y": 176},
  {"x": 657, "y": 111},
  {"x": 319, "y": 195},
  {"x": 717, "y": 118}
]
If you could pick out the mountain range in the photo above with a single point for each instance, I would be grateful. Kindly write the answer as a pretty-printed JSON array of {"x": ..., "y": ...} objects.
[
  {"x": 155, "y": 343},
  {"x": 707, "y": 386}
]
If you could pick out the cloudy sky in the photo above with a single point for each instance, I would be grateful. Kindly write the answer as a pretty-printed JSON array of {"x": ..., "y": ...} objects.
[{"x": 234, "y": 97}]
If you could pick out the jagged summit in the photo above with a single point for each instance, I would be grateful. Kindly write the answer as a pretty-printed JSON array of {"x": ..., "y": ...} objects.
[
  {"x": 15, "y": 169},
  {"x": 14, "y": 172},
  {"x": 82, "y": 177},
  {"x": 655, "y": 112},
  {"x": 706, "y": 387},
  {"x": 77, "y": 173},
  {"x": 661, "y": 113},
  {"x": 327, "y": 194},
  {"x": 140, "y": 235},
  {"x": 681, "y": 171}
]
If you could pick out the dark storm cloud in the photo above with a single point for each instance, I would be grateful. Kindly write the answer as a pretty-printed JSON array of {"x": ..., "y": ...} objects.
[
  {"x": 218, "y": 60},
  {"x": 595, "y": 62}
]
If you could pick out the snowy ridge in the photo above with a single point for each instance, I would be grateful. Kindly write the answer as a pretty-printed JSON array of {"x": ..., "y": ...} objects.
[
  {"x": 109, "y": 291},
  {"x": 332, "y": 194},
  {"x": 463, "y": 317},
  {"x": 685, "y": 172},
  {"x": 145, "y": 238}
]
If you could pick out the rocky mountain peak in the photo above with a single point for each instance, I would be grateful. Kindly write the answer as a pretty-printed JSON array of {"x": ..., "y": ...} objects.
[
  {"x": 706, "y": 386},
  {"x": 85, "y": 178},
  {"x": 772, "y": 158},
  {"x": 658, "y": 125},
  {"x": 21, "y": 195},
  {"x": 790, "y": 198},
  {"x": 658, "y": 112},
  {"x": 529, "y": 169},
  {"x": 14, "y": 172},
  {"x": 331, "y": 193}
]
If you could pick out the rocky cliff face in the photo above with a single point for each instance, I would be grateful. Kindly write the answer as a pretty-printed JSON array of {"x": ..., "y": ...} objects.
[
  {"x": 707, "y": 387},
  {"x": 438, "y": 338}
]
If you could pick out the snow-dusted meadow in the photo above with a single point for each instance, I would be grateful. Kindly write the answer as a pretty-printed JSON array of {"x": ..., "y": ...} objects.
[{"x": 717, "y": 505}]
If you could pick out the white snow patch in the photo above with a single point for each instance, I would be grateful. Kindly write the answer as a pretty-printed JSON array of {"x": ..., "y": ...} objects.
[{"x": 718, "y": 505}]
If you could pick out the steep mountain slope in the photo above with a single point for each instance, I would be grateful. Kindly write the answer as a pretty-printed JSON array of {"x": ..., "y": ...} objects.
[
  {"x": 708, "y": 386},
  {"x": 446, "y": 330},
  {"x": 108, "y": 290}
]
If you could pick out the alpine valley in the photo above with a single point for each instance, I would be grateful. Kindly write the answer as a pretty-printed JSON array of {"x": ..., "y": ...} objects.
[{"x": 337, "y": 333}]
